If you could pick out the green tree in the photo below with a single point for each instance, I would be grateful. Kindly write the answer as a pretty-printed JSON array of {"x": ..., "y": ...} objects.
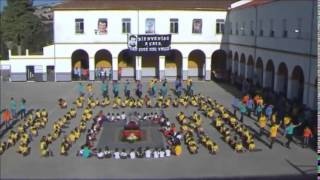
[{"x": 20, "y": 26}]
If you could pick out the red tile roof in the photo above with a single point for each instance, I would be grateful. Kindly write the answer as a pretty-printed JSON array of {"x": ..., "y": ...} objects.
[{"x": 145, "y": 5}]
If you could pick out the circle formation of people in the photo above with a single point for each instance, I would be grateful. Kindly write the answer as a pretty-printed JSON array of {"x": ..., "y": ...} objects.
[{"x": 235, "y": 133}]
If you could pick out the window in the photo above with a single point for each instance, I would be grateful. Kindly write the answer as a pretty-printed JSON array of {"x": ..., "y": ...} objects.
[
  {"x": 174, "y": 26},
  {"x": 197, "y": 26},
  {"x": 261, "y": 28},
  {"x": 126, "y": 25},
  {"x": 243, "y": 28},
  {"x": 251, "y": 28},
  {"x": 284, "y": 28},
  {"x": 150, "y": 26},
  {"x": 237, "y": 28},
  {"x": 230, "y": 28},
  {"x": 220, "y": 26},
  {"x": 298, "y": 30},
  {"x": 271, "y": 28},
  {"x": 79, "y": 26}
]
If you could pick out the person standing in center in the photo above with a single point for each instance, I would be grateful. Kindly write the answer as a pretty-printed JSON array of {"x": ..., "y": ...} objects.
[
  {"x": 139, "y": 89},
  {"x": 115, "y": 89},
  {"x": 127, "y": 89},
  {"x": 104, "y": 89}
]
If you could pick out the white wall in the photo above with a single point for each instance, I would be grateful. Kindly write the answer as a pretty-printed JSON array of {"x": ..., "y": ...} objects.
[{"x": 64, "y": 25}]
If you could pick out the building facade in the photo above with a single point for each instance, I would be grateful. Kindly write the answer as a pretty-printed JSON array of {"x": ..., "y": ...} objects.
[{"x": 265, "y": 41}]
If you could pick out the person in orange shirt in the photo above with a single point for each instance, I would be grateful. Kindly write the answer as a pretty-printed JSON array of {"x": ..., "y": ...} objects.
[
  {"x": 307, "y": 134},
  {"x": 6, "y": 117},
  {"x": 245, "y": 99}
]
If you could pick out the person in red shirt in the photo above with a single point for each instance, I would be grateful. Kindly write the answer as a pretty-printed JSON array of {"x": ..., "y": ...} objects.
[
  {"x": 245, "y": 99},
  {"x": 307, "y": 134}
]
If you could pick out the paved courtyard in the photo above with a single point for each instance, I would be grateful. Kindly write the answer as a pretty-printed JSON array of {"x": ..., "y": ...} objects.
[{"x": 276, "y": 163}]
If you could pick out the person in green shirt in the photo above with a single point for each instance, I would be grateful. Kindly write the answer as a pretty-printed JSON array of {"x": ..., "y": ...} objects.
[
  {"x": 22, "y": 107},
  {"x": 289, "y": 133},
  {"x": 242, "y": 109},
  {"x": 104, "y": 89},
  {"x": 13, "y": 107},
  {"x": 81, "y": 89}
]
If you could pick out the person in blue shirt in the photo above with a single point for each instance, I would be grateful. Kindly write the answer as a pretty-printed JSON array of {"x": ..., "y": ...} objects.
[
  {"x": 139, "y": 89},
  {"x": 235, "y": 105},
  {"x": 13, "y": 107},
  {"x": 81, "y": 89},
  {"x": 250, "y": 106},
  {"x": 127, "y": 89},
  {"x": 269, "y": 111},
  {"x": 242, "y": 109},
  {"x": 259, "y": 110}
]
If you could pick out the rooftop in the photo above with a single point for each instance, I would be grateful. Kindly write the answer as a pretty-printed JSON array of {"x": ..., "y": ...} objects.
[{"x": 145, "y": 5}]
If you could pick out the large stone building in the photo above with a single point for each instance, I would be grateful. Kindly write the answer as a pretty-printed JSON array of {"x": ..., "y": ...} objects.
[{"x": 271, "y": 42}]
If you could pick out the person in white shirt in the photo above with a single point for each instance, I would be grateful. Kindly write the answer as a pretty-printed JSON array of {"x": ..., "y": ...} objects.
[
  {"x": 168, "y": 152},
  {"x": 108, "y": 117},
  {"x": 100, "y": 154},
  {"x": 123, "y": 154},
  {"x": 118, "y": 117},
  {"x": 132, "y": 154},
  {"x": 161, "y": 153},
  {"x": 116, "y": 154},
  {"x": 112, "y": 118},
  {"x": 148, "y": 152},
  {"x": 123, "y": 116},
  {"x": 107, "y": 152},
  {"x": 156, "y": 154}
]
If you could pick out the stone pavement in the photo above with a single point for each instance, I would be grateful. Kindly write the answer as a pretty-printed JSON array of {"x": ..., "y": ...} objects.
[{"x": 276, "y": 163}]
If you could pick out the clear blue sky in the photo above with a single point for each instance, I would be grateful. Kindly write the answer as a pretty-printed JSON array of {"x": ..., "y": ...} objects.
[{"x": 3, "y": 3}]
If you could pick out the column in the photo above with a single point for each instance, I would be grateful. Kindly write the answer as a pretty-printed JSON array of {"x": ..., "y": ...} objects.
[
  {"x": 232, "y": 67},
  {"x": 114, "y": 68},
  {"x": 305, "y": 93},
  {"x": 91, "y": 69},
  {"x": 208, "y": 69},
  {"x": 275, "y": 86},
  {"x": 162, "y": 64},
  {"x": 184, "y": 68},
  {"x": 265, "y": 80},
  {"x": 138, "y": 67},
  {"x": 289, "y": 90}
]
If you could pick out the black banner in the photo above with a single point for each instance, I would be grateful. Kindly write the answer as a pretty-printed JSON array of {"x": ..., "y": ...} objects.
[{"x": 149, "y": 44}]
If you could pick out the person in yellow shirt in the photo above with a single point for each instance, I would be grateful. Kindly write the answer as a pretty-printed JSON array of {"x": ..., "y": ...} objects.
[
  {"x": 23, "y": 149},
  {"x": 273, "y": 134},
  {"x": 177, "y": 150},
  {"x": 262, "y": 124},
  {"x": 3, "y": 146}
]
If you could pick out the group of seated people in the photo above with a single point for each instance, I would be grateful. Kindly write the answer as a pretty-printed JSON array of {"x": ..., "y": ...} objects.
[
  {"x": 194, "y": 124},
  {"x": 55, "y": 133},
  {"x": 75, "y": 134},
  {"x": 27, "y": 128},
  {"x": 79, "y": 102},
  {"x": 236, "y": 135},
  {"x": 140, "y": 152}
]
